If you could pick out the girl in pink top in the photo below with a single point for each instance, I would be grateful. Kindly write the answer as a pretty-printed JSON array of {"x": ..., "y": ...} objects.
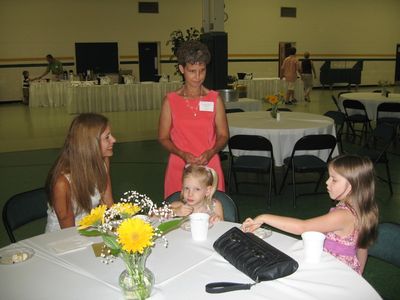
[
  {"x": 193, "y": 126},
  {"x": 350, "y": 227}
]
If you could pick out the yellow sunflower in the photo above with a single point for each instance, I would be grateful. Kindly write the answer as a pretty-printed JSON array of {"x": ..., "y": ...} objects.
[
  {"x": 94, "y": 218},
  {"x": 135, "y": 235},
  {"x": 273, "y": 99},
  {"x": 127, "y": 209}
]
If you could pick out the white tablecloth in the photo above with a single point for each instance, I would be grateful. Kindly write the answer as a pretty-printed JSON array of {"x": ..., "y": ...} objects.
[
  {"x": 48, "y": 94},
  {"x": 246, "y": 104},
  {"x": 284, "y": 133},
  {"x": 371, "y": 102},
  {"x": 258, "y": 88},
  {"x": 118, "y": 97},
  {"x": 182, "y": 270},
  {"x": 100, "y": 98}
]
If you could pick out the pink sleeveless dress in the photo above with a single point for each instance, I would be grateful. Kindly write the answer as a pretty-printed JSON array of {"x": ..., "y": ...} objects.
[
  {"x": 343, "y": 248},
  {"x": 193, "y": 130}
]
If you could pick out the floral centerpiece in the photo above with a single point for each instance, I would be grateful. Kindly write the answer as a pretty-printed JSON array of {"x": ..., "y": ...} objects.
[
  {"x": 384, "y": 85},
  {"x": 128, "y": 232},
  {"x": 274, "y": 100}
]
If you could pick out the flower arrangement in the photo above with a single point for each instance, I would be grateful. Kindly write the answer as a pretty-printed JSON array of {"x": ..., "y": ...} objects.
[
  {"x": 274, "y": 100},
  {"x": 128, "y": 232},
  {"x": 384, "y": 84}
]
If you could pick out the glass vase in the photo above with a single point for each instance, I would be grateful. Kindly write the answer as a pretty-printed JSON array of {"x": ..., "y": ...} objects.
[
  {"x": 136, "y": 281},
  {"x": 274, "y": 112}
]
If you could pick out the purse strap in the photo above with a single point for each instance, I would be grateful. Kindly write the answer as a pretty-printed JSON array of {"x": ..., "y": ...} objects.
[{"x": 223, "y": 287}]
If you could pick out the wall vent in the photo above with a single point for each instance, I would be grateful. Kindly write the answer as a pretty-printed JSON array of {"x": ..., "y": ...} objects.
[
  {"x": 148, "y": 7},
  {"x": 288, "y": 12}
]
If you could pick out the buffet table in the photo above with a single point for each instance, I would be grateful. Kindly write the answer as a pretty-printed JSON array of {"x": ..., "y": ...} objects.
[
  {"x": 48, "y": 94},
  {"x": 258, "y": 88},
  {"x": 371, "y": 102},
  {"x": 181, "y": 272},
  {"x": 83, "y": 97},
  {"x": 284, "y": 133}
]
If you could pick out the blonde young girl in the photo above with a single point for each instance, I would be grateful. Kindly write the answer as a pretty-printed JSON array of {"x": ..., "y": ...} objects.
[
  {"x": 351, "y": 226},
  {"x": 199, "y": 184},
  {"x": 80, "y": 178}
]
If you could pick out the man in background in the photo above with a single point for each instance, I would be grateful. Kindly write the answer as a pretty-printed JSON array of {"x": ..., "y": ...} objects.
[
  {"x": 54, "y": 66},
  {"x": 290, "y": 69}
]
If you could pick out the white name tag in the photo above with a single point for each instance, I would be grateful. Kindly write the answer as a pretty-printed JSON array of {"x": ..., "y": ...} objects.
[{"x": 206, "y": 106}]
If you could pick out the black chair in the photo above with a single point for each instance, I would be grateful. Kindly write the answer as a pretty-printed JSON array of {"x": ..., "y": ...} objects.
[
  {"x": 24, "y": 208},
  {"x": 233, "y": 110},
  {"x": 339, "y": 118},
  {"x": 357, "y": 114},
  {"x": 308, "y": 163},
  {"x": 281, "y": 109},
  {"x": 387, "y": 245},
  {"x": 376, "y": 148},
  {"x": 230, "y": 210},
  {"x": 252, "y": 163},
  {"x": 388, "y": 107}
]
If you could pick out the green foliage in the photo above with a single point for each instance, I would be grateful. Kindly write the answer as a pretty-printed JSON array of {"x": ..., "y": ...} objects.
[
  {"x": 177, "y": 37},
  {"x": 171, "y": 225}
]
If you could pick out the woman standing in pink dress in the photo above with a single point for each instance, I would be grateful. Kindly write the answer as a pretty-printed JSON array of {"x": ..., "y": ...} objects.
[{"x": 193, "y": 125}]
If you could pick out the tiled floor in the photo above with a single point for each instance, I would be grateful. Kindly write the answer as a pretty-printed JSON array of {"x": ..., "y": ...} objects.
[{"x": 30, "y": 139}]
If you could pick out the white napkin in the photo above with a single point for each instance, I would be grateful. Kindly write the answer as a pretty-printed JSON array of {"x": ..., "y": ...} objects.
[{"x": 70, "y": 244}]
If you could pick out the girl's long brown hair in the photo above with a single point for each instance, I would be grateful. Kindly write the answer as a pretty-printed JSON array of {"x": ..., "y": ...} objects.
[
  {"x": 81, "y": 157},
  {"x": 359, "y": 171}
]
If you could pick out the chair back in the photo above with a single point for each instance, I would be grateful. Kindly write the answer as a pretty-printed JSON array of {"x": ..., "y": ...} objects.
[
  {"x": 387, "y": 107},
  {"x": 353, "y": 104},
  {"x": 233, "y": 110},
  {"x": 230, "y": 209},
  {"x": 250, "y": 143},
  {"x": 387, "y": 246},
  {"x": 24, "y": 208},
  {"x": 315, "y": 142}
]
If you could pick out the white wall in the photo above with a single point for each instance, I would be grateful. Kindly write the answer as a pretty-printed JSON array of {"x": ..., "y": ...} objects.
[{"x": 30, "y": 29}]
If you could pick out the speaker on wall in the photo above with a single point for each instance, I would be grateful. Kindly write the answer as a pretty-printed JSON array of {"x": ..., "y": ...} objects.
[{"x": 217, "y": 69}]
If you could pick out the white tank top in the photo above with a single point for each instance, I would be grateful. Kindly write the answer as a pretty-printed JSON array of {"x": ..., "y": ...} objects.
[{"x": 52, "y": 220}]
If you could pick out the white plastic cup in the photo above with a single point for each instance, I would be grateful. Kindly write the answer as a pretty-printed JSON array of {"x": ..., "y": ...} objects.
[
  {"x": 313, "y": 242},
  {"x": 199, "y": 226}
]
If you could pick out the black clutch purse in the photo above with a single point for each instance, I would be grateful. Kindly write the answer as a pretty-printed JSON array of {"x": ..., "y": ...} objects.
[{"x": 253, "y": 256}]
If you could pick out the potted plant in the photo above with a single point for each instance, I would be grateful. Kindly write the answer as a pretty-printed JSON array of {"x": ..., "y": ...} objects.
[{"x": 177, "y": 37}]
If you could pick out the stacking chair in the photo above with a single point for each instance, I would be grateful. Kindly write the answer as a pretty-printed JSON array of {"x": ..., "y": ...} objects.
[
  {"x": 252, "y": 163},
  {"x": 376, "y": 148},
  {"x": 281, "y": 109},
  {"x": 24, "y": 208},
  {"x": 222, "y": 154},
  {"x": 387, "y": 245},
  {"x": 230, "y": 210},
  {"x": 361, "y": 117},
  {"x": 308, "y": 163},
  {"x": 339, "y": 118},
  {"x": 233, "y": 110},
  {"x": 388, "y": 107}
]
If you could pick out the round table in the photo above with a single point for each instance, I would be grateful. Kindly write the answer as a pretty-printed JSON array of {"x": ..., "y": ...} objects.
[
  {"x": 284, "y": 133},
  {"x": 370, "y": 101}
]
